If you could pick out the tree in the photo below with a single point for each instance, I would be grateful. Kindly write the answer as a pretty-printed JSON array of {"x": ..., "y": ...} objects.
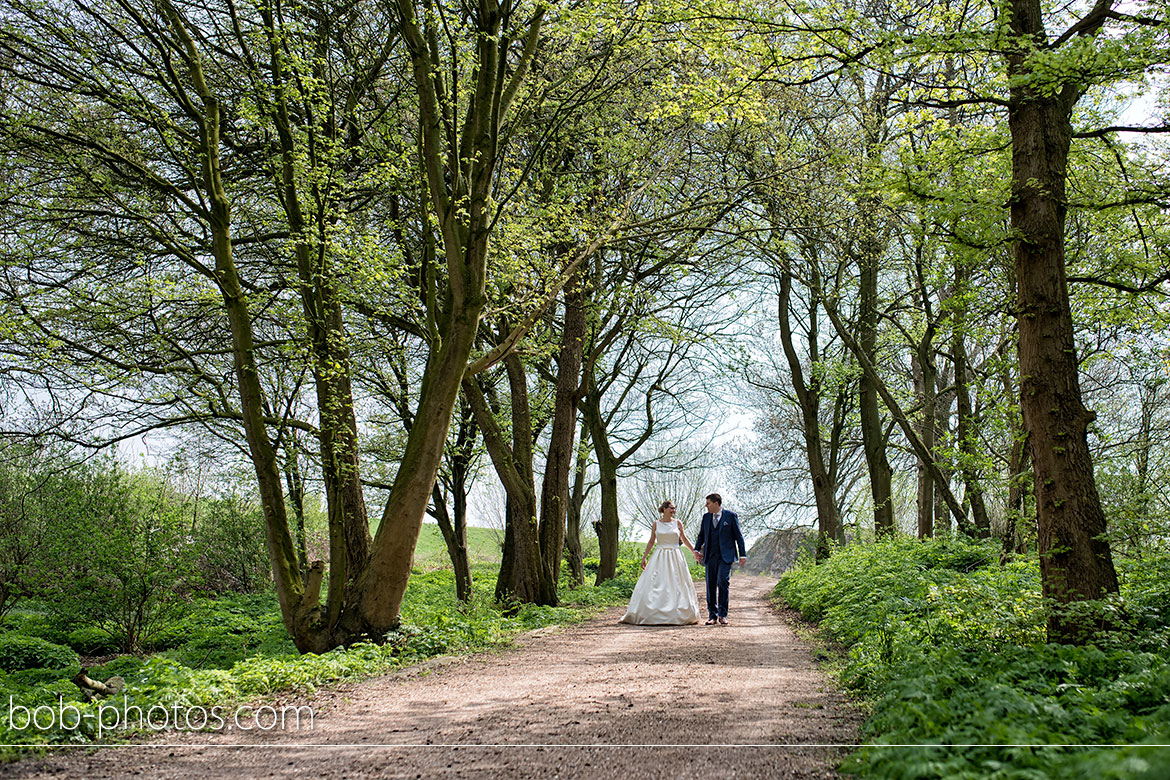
[
  {"x": 1046, "y": 77},
  {"x": 156, "y": 134}
]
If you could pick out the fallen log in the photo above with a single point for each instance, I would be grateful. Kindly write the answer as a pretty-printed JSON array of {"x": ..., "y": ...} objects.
[{"x": 90, "y": 687}]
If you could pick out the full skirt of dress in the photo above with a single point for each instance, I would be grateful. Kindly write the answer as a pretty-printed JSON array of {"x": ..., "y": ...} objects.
[{"x": 665, "y": 593}]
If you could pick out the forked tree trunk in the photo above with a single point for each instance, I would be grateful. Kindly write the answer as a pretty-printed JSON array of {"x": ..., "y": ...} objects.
[
  {"x": 830, "y": 531},
  {"x": 459, "y": 180},
  {"x": 383, "y": 582}
]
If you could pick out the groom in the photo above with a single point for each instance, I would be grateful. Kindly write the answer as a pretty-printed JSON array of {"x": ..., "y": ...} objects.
[{"x": 715, "y": 548}]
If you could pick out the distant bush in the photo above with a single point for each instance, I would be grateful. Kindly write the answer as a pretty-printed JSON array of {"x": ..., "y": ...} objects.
[
  {"x": 127, "y": 564},
  {"x": 18, "y": 653},
  {"x": 232, "y": 549}
]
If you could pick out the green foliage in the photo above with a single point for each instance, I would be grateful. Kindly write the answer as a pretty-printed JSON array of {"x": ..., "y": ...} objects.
[
  {"x": 18, "y": 653},
  {"x": 950, "y": 647},
  {"x": 232, "y": 649},
  {"x": 38, "y": 496},
  {"x": 91, "y": 640},
  {"x": 217, "y": 633},
  {"x": 126, "y": 563},
  {"x": 230, "y": 545},
  {"x": 32, "y": 619}
]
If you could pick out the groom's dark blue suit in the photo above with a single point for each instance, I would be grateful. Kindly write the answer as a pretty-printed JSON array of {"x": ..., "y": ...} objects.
[{"x": 718, "y": 545}]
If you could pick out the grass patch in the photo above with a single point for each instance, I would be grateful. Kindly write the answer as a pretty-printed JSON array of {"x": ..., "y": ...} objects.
[{"x": 483, "y": 547}]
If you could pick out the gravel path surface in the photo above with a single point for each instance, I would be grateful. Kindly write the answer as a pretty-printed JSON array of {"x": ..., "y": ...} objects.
[{"x": 600, "y": 699}]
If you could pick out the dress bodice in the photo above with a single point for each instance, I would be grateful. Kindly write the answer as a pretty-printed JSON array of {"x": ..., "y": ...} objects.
[{"x": 666, "y": 533}]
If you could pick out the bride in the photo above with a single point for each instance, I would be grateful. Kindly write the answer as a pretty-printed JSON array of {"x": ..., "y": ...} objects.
[{"x": 665, "y": 593}]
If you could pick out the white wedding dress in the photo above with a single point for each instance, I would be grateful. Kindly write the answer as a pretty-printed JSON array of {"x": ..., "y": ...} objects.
[{"x": 665, "y": 593}]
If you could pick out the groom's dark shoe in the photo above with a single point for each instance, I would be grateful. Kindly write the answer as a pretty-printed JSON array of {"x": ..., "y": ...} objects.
[{"x": 722, "y": 621}]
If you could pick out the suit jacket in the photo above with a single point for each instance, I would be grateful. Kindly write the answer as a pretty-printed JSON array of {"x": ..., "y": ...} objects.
[{"x": 722, "y": 542}]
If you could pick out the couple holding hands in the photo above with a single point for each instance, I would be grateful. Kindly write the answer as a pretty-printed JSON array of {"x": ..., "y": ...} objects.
[{"x": 665, "y": 594}]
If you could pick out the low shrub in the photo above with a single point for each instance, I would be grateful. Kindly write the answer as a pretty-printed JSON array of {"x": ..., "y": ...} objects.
[
  {"x": 18, "y": 653},
  {"x": 91, "y": 640}
]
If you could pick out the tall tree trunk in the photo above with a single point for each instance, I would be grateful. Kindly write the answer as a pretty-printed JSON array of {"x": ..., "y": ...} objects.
[
  {"x": 349, "y": 528},
  {"x": 925, "y": 373},
  {"x": 924, "y": 387},
  {"x": 966, "y": 425},
  {"x": 296, "y": 498},
  {"x": 298, "y": 597},
  {"x": 1076, "y": 563},
  {"x": 873, "y": 434},
  {"x": 554, "y": 495},
  {"x": 1017, "y": 487},
  {"x": 942, "y": 428},
  {"x": 829, "y": 528},
  {"x": 522, "y": 582},
  {"x": 609, "y": 525},
  {"x": 453, "y": 524},
  {"x": 455, "y": 542},
  {"x": 1148, "y": 394},
  {"x": 574, "y": 553},
  {"x": 519, "y": 575}
]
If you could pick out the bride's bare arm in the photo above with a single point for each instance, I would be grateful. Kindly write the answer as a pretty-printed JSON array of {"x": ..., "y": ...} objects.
[
  {"x": 649, "y": 545},
  {"x": 683, "y": 535}
]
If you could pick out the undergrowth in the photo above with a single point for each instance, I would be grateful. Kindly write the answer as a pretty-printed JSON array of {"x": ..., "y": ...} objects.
[
  {"x": 949, "y": 648},
  {"x": 234, "y": 649}
]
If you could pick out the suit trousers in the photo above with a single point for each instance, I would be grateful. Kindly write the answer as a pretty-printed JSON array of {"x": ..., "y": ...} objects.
[{"x": 718, "y": 586}]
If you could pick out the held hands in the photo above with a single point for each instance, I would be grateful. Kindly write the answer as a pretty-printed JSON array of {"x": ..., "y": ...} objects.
[{"x": 698, "y": 556}]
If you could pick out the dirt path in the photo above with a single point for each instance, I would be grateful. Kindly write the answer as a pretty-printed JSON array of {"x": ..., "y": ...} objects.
[{"x": 600, "y": 699}]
